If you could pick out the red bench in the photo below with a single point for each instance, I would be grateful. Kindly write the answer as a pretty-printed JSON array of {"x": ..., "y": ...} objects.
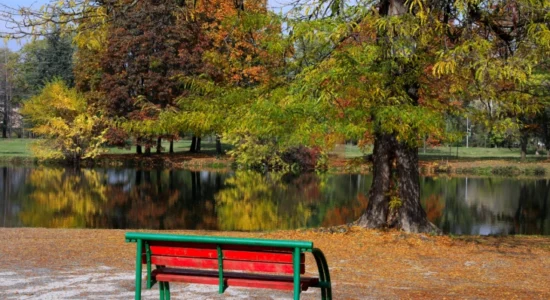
[{"x": 222, "y": 261}]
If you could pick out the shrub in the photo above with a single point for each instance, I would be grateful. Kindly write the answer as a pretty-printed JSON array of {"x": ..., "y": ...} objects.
[
  {"x": 59, "y": 114},
  {"x": 301, "y": 157},
  {"x": 506, "y": 171}
]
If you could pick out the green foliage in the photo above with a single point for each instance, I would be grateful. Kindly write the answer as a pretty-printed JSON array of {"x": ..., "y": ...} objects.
[
  {"x": 60, "y": 114},
  {"x": 45, "y": 60}
]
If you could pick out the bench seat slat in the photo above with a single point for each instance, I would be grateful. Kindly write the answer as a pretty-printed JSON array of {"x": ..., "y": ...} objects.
[
  {"x": 229, "y": 252},
  {"x": 235, "y": 265},
  {"x": 278, "y": 282}
]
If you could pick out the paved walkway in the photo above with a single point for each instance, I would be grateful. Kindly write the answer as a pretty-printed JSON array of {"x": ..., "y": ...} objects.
[{"x": 106, "y": 283}]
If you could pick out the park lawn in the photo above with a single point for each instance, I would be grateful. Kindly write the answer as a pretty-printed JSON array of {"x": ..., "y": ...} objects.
[
  {"x": 467, "y": 157},
  {"x": 22, "y": 147},
  {"x": 15, "y": 148},
  {"x": 352, "y": 151},
  {"x": 364, "y": 264}
]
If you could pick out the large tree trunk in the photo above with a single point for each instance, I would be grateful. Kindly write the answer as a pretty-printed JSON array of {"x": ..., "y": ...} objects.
[
  {"x": 138, "y": 149},
  {"x": 411, "y": 217},
  {"x": 395, "y": 172},
  {"x": 171, "y": 146},
  {"x": 376, "y": 215}
]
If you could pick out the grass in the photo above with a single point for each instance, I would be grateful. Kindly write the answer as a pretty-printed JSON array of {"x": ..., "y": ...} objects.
[
  {"x": 10, "y": 148},
  {"x": 435, "y": 153},
  {"x": 477, "y": 153},
  {"x": 15, "y": 148}
]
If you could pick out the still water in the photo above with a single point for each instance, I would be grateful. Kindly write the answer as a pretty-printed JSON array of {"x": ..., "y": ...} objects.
[{"x": 243, "y": 200}]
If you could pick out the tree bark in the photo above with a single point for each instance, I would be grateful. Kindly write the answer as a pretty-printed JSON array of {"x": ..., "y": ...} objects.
[
  {"x": 5, "y": 122},
  {"x": 411, "y": 217},
  {"x": 171, "y": 146},
  {"x": 193, "y": 144},
  {"x": 138, "y": 149},
  {"x": 198, "y": 147},
  {"x": 159, "y": 145},
  {"x": 524, "y": 140},
  {"x": 376, "y": 215},
  {"x": 218, "y": 145}
]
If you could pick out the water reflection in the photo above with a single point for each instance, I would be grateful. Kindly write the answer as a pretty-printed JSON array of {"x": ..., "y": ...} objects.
[
  {"x": 178, "y": 199},
  {"x": 487, "y": 205},
  {"x": 243, "y": 200}
]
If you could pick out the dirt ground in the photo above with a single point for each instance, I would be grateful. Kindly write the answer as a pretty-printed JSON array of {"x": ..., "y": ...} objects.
[{"x": 364, "y": 264}]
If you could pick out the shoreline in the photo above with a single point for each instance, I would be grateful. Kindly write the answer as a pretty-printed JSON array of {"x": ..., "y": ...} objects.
[{"x": 505, "y": 168}]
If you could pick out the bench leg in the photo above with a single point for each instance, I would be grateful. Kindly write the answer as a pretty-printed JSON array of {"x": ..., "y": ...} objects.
[
  {"x": 164, "y": 290},
  {"x": 167, "y": 290},
  {"x": 296, "y": 271},
  {"x": 161, "y": 290},
  {"x": 139, "y": 246}
]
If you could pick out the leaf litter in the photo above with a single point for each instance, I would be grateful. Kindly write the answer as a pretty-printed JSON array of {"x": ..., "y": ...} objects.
[{"x": 364, "y": 264}]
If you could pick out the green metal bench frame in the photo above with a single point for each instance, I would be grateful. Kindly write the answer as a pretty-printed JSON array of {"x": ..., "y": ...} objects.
[{"x": 142, "y": 239}]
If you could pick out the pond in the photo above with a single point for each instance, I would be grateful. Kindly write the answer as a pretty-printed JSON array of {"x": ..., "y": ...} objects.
[{"x": 249, "y": 201}]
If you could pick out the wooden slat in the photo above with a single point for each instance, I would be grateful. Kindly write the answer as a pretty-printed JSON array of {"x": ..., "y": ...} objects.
[
  {"x": 225, "y": 247},
  {"x": 231, "y": 254},
  {"x": 236, "y": 265},
  {"x": 232, "y": 279}
]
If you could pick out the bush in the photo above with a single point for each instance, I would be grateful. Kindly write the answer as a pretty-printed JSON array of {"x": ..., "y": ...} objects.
[
  {"x": 301, "y": 157},
  {"x": 60, "y": 115},
  {"x": 536, "y": 171},
  {"x": 506, "y": 171}
]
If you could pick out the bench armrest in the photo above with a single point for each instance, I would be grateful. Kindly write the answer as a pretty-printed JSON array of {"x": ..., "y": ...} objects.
[{"x": 324, "y": 273}]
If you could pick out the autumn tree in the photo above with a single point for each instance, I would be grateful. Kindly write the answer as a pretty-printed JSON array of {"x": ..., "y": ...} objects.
[
  {"x": 9, "y": 89},
  {"x": 390, "y": 75},
  {"x": 244, "y": 52},
  {"x": 60, "y": 115},
  {"x": 500, "y": 57},
  {"x": 149, "y": 44}
]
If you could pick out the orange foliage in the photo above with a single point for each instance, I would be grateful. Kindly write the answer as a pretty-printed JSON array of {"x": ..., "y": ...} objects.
[
  {"x": 343, "y": 215},
  {"x": 434, "y": 207},
  {"x": 238, "y": 54}
]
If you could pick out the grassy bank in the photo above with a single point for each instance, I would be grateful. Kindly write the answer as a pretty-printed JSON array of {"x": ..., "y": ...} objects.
[
  {"x": 344, "y": 158},
  {"x": 18, "y": 151},
  {"x": 10, "y": 148}
]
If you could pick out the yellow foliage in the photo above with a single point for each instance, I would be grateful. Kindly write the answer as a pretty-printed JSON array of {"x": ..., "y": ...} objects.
[
  {"x": 59, "y": 114},
  {"x": 63, "y": 198},
  {"x": 250, "y": 203}
]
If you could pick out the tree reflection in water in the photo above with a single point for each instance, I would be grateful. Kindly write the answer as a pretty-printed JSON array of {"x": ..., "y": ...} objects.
[
  {"x": 245, "y": 200},
  {"x": 65, "y": 198}
]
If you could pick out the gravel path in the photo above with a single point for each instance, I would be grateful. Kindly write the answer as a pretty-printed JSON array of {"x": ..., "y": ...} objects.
[{"x": 107, "y": 283}]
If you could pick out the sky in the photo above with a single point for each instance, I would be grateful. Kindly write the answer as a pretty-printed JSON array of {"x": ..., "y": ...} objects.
[
  {"x": 16, "y": 45},
  {"x": 12, "y": 44}
]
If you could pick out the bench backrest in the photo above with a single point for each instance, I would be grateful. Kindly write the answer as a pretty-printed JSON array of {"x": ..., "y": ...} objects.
[
  {"x": 235, "y": 257},
  {"x": 222, "y": 253}
]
